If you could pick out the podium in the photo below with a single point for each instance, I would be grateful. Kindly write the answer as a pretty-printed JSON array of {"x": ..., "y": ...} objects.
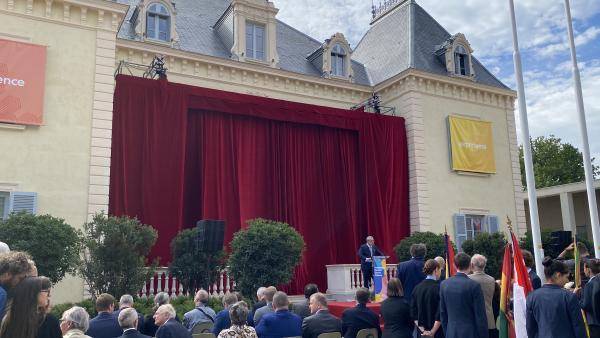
[{"x": 380, "y": 278}]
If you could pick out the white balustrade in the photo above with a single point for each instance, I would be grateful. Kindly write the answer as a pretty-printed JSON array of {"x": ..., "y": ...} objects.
[
  {"x": 344, "y": 279},
  {"x": 163, "y": 281}
]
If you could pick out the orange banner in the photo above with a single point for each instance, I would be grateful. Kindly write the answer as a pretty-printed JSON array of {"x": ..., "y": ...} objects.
[{"x": 22, "y": 79}]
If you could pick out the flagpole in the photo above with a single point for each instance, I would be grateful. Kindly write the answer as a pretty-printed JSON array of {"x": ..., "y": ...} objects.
[
  {"x": 587, "y": 162},
  {"x": 529, "y": 175}
]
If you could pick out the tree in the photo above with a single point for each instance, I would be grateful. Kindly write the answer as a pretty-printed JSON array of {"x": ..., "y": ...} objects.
[
  {"x": 492, "y": 247},
  {"x": 114, "y": 255},
  {"x": 52, "y": 243},
  {"x": 265, "y": 253},
  {"x": 554, "y": 162},
  {"x": 436, "y": 246},
  {"x": 194, "y": 269}
]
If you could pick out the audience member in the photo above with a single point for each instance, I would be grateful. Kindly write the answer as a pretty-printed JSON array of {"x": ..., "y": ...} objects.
[
  {"x": 584, "y": 255},
  {"x": 536, "y": 282},
  {"x": 14, "y": 267},
  {"x": 552, "y": 311},
  {"x": 442, "y": 264},
  {"x": 105, "y": 324},
  {"x": 26, "y": 315},
  {"x": 126, "y": 302},
  {"x": 410, "y": 273},
  {"x": 488, "y": 286},
  {"x": 4, "y": 248},
  {"x": 281, "y": 323},
  {"x": 74, "y": 323},
  {"x": 359, "y": 317},
  {"x": 149, "y": 328},
  {"x": 366, "y": 253},
  {"x": 201, "y": 314},
  {"x": 395, "y": 312},
  {"x": 129, "y": 322},
  {"x": 425, "y": 302},
  {"x": 260, "y": 296},
  {"x": 321, "y": 321},
  {"x": 238, "y": 313},
  {"x": 590, "y": 301},
  {"x": 302, "y": 309},
  {"x": 222, "y": 320},
  {"x": 269, "y": 293},
  {"x": 462, "y": 306},
  {"x": 168, "y": 327},
  {"x": 33, "y": 271}
]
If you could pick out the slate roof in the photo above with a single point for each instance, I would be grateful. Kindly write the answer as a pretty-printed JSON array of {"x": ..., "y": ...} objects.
[{"x": 404, "y": 38}]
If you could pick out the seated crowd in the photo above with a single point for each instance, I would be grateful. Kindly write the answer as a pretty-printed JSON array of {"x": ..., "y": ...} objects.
[{"x": 418, "y": 305}]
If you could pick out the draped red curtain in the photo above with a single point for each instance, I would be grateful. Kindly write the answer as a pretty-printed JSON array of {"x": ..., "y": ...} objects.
[{"x": 182, "y": 153}]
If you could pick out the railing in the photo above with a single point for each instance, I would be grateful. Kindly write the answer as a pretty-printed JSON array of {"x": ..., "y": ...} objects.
[
  {"x": 163, "y": 281},
  {"x": 344, "y": 279}
]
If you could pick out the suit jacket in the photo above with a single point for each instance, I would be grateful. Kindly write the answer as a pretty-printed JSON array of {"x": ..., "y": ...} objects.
[
  {"x": 590, "y": 302},
  {"x": 320, "y": 322},
  {"x": 222, "y": 322},
  {"x": 554, "y": 312},
  {"x": 301, "y": 309},
  {"x": 172, "y": 329},
  {"x": 410, "y": 273},
  {"x": 536, "y": 282},
  {"x": 462, "y": 308},
  {"x": 364, "y": 253},
  {"x": 358, "y": 318},
  {"x": 133, "y": 334},
  {"x": 279, "y": 324},
  {"x": 488, "y": 286},
  {"x": 104, "y": 325},
  {"x": 395, "y": 312},
  {"x": 140, "y": 318}
]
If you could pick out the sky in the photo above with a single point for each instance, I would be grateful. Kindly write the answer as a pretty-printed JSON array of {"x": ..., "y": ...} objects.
[{"x": 549, "y": 92}]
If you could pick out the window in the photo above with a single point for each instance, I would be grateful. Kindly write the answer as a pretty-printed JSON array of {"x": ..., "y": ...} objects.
[
  {"x": 158, "y": 23},
  {"x": 474, "y": 225},
  {"x": 17, "y": 201},
  {"x": 467, "y": 226},
  {"x": 461, "y": 61},
  {"x": 4, "y": 204},
  {"x": 255, "y": 41},
  {"x": 337, "y": 61}
]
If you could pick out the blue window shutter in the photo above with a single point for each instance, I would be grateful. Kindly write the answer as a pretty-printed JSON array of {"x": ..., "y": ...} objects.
[
  {"x": 249, "y": 40},
  {"x": 23, "y": 201},
  {"x": 460, "y": 230},
  {"x": 493, "y": 226}
]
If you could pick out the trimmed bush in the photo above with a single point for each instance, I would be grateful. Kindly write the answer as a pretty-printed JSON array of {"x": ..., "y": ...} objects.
[
  {"x": 52, "y": 243},
  {"x": 492, "y": 247},
  {"x": 265, "y": 253},
  {"x": 434, "y": 242}
]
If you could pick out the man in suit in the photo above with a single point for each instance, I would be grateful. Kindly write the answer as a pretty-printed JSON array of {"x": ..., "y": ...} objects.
[
  {"x": 321, "y": 321},
  {"x": 105, "y": 324},
  {"x": 462, "y": 306},
  {"x": 126, "y": 302},
  {"x": 281, "y": 323},
  {"x": 269, "y": 294},
  {"x": 366, "y": 253},
  {"x": 410, "y": 273},
  {"x": 168, "y": 327},
  {"x": 302, "y": 309},
  {"x": 488, "y": 287},
  {"x": 128, "y": 320},
  {"x": 223, "y": 321},
  {"x": 536, "y": 282},
  {"x": 590, "y": 301},
  {"x": 260, "y": 296},
  {"x": 201, "y": 314},
  {"x": 359, "y": 317}
]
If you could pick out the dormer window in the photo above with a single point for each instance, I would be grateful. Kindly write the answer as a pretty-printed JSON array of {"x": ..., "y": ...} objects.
[
  {"x": 255, "y": 41},
  {"x": 461, "y": 61},
  {"x": 158, "y": 22},
  {"x": 338, "y": 55},
  {"x": 456, "y": 53}
]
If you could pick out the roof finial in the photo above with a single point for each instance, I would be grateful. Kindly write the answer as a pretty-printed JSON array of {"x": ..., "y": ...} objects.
[{"x": 373, "y": 8}]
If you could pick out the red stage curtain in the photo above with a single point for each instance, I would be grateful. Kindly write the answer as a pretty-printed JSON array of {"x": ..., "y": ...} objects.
[{"x": 183, "y": 153}]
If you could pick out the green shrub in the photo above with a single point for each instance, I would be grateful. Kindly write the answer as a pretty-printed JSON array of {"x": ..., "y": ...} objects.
[
  {"x": 265, "y": 253},
  {"x": 492, "y": 247},
  {"x": 550, "y": 249},
  {"x": 52, "y": 243},
  {"x": 435, "y": 243},
  {"x": 194, "y": 269},
  {"x": 87, "y": 304},
  {"x": 114, "y": 255}
]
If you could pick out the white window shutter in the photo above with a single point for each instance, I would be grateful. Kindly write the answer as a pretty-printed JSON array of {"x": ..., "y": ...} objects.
[
  {"x": 460, "y": 230},
  {"x": 493, "y": 226},
  {"x": 23, "y": 201}
]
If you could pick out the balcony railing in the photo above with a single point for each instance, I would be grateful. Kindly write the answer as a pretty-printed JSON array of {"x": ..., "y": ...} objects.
[
  {"x": 344, "y": 279},
  {"x": 163, "y": 281}
]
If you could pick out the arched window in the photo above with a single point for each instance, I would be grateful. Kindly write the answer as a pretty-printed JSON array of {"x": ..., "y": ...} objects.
[
  {"x": 461, "y": 61},
  {"x": 338, "y": 54},
  {"x": 158, "y": 22}
]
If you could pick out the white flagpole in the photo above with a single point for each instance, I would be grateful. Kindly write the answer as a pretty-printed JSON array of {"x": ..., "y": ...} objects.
[
  {"x": 587, "y": 162},
  {"x": 529, "y": 175}
]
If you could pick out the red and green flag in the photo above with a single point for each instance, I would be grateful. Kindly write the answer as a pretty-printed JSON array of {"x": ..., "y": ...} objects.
[{"x": 521, "y": 288}]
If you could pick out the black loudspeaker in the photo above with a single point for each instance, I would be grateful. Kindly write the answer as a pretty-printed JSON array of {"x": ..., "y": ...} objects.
[
  {"x": 210, "y": 235},
  {"x": 561, "y": 239}
]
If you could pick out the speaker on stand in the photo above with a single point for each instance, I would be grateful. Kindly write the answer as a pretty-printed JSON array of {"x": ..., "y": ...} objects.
[{"x": 210, "y": 238}]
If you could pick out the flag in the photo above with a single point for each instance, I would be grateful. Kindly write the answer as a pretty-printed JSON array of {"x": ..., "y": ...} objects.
[
  {"x": 450, "y": 267},
  {"x": 521, "y": 288},
  {"x": 504, "y": 323},
  {"x": 577, "y": 258}
]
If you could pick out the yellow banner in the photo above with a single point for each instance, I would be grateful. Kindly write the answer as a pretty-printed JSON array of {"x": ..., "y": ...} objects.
[{"x": 472, "y": 145}]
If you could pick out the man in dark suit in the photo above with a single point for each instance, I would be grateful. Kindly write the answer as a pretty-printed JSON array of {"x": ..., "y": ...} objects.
[
  {"x": 410, "y": 273},
  {"x": 590, "y": 301},
  {"x": 536, "y": 282},
  {"x": 302, "y": 309},
  {"x": 260, "y": 296},
  {"x": 281, "y": 323},
  {"x": 462, "y": 306},
  {"x": 321, "y": 321},
  {"x": 128, "y": 320},
  {"x": 105, "y": 324},
  {"x": 126, "y": 302},
  {"x": 223, "y": 321},
  {"x": 359, "y": 317},
  {"x": 168, "y": 327},
  {"x": 366, "y": 253}
]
